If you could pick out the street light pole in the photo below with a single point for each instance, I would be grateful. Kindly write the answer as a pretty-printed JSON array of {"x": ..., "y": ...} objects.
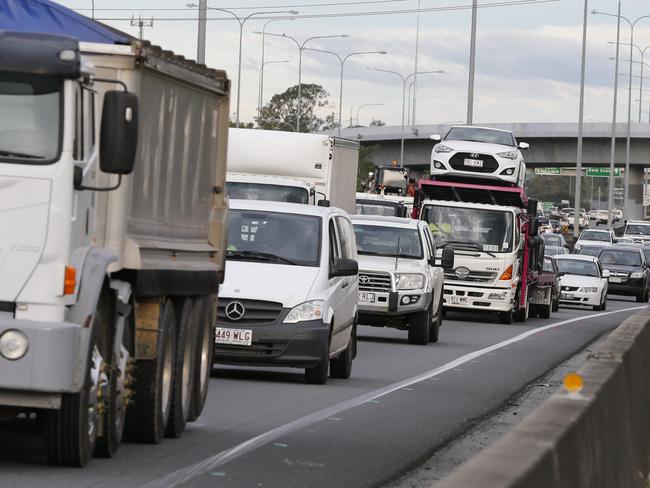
[
  {"x": 342, "y": 60},
  {"x": 404, "y": 80},
  {"x": 632, "y": 24},
  {"x": 415, "y": 69},
  {"x": 301, "y": 48},
  {"x": 472, "y": 65},
  {"x": 200, "y": 42},
  {"x": 366, "y": 105},
  {"x": 577, "y": 206},
  {"x": 261, "y": 90},
  {"x": 260, "y": 96},
  {"x": 642, "y": 52}
]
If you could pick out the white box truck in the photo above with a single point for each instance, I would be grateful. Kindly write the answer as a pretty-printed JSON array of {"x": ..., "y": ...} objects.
[
  {"x": 112, "y": 238},
  {"x": 292, "y": 167}
]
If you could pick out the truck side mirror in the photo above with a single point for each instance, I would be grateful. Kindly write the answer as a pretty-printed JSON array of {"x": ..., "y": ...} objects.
[
  {"x": 119, "y": 133},
  {"x": 447, "y": 259}
]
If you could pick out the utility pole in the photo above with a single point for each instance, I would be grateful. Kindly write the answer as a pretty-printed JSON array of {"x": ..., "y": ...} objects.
[
  {"x": 577, "y": 206},
  {"x": 140, "y": 23},
  {"x": 472, "y": 65},
  {"x": 610, "y": 196},
  {"x": 200, "y": 48}
]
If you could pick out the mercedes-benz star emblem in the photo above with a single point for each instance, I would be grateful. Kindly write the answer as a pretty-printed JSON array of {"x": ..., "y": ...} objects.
[
  {"x": 364, "y": 280},
  {"x": 462, "y": 273},
  {"x": 235, "y": 311}
]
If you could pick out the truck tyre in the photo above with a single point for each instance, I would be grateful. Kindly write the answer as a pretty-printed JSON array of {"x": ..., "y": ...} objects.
[
  {"x": 556, "y": 304},
  {"x": 183, "y": 369},
  {"x": 505, "y": 317},
  {"x": 521, "y": 315},
  {"x": 120, "y": 379},
  {"x": 147, "y": 417},
  {"x": 436, "y": 323},
  {"x": 341, "y": 366},
  {"x": 71, "y": 432},
  {"x": 317, "y": 375},
  {"x": 544, "y": 311},
  {"x": 205, "y": 323},
  {"x": 419, "y": 324}
]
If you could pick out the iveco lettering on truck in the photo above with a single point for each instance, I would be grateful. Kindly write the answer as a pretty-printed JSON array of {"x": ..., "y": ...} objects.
[{"x": 112, "y": 236}]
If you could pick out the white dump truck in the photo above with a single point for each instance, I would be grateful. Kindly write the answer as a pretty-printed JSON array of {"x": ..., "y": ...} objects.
[
  {"x": 292, "y": 167},
  {"x": 112, "y": 238}
]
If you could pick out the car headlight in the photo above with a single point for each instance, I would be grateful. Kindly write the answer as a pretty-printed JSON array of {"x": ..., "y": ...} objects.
[
  {"x": 588, "y": 289},
  {"x": 305, "y": 311},
  {"x": 13, "y": 344},
  {"x": 409, "y": 281},
  {"x": 441, "y": 148},
  {"x": 577, "y": 246},
  {"x": 508, "y": 155},
  {"x": 637, "y": 274}
]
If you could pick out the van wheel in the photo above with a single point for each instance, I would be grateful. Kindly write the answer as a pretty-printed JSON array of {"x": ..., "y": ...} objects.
[
  {"x": 434, "y": 329},
  {"x": 204, "y": 311},
  {"x": 71, "y": 432},
  {"x": 341, "y": 366},
  {"x": 419, "y": 327},
  {"x": 147, "y": 417},
  {"x": 317, "y": 375},
  {"x": 183, "y": 370}
]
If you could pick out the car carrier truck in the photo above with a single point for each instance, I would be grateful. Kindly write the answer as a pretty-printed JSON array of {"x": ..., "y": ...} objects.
[
  {"x": 112, "y": 235},
  {"x": 292, "y": 167},
  {"x": 498, "y": 255}
]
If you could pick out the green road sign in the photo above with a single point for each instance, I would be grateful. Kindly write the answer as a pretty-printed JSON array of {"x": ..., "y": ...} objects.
[
  {"x": 548, "y": 171},
  {"x": 547, "y": 205},
  {"x": 602, "y": 172}
]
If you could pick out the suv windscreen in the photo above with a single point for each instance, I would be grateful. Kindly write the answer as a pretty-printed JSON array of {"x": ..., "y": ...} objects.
[
  {"x": 590, "y": 250},
  {"x": 470, "y": 228},
  {"x": 638, "y": 229},
  {"x": 577, "y": 267},
  {"x": 30, "y": 128},
  {"x": 273, "y": 237},
  {"x": 260, "y": 191},
  {"x": 621, "y": 258},
  {"x": 379, "y": 240},
  {"x": 367, "y": 208},
  {"x": 473, "y": 134},
  {"x": 590, "y": 235}
]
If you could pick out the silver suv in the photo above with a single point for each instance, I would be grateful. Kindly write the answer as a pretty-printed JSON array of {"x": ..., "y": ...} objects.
[{"x": 400, "y": 284}]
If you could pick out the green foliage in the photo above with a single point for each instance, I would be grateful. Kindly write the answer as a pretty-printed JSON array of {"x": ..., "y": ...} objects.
[
  {"x": 243, "y": 125},
  {"x": 281, "y": 111},
  {"x": 365, "y": 164}
]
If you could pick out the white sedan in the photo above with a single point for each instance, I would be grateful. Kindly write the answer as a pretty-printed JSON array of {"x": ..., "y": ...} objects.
[
  {"x": 582, "y": 281},
  {"x": 478, "y": 152}
]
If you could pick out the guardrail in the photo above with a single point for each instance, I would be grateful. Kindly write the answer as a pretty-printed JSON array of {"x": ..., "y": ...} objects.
[{"x": 599, "y": 438}]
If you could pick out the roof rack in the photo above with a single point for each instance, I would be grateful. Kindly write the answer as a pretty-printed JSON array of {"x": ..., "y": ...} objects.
[{"x": 466, "y": 192}]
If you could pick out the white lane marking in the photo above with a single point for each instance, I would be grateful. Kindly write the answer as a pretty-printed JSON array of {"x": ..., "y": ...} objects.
[{"x": 183, "y": 475}]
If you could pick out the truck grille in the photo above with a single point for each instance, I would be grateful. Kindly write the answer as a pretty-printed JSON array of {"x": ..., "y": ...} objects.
[
  {"x": 457, "y": 162},
  {"x": 473, "y": 277},
  {"x": 377, "y": 282},
  {"x": 255, "y": 311}
]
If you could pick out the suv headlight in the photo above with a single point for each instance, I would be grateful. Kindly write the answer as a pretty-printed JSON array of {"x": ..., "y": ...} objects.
[
  {"x": 588, "y": 289},
  {"x": 409, "y": 281},
  {"x": 305, "y": 311},
  {"x": 637, "y": 274},
  {"x": 13, "y": 344},
  {"x": 508, "y": 155},
  {"x": 441, "y": 148}
]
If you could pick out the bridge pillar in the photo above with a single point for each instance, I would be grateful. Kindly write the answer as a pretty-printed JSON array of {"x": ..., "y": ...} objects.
[{"x": 635, "y": 194}]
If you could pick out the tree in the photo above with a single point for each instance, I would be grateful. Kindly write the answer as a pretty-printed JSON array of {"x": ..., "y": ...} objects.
[
  {"x": 377, "y": 123},
  {"x": 243, "y": 125},
  {"x": 365, "y": 164},
  {"x": 280, "y": 112}
]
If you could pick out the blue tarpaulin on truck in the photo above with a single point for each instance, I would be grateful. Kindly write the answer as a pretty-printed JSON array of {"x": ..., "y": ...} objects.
[{"x": 47, "y": 17}]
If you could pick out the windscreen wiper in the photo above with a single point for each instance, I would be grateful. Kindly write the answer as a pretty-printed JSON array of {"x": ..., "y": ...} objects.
[
  {"x": 260, "y": 255},
  {"x": 19, "y": 155},
  {"x": 467, "y": 245}
]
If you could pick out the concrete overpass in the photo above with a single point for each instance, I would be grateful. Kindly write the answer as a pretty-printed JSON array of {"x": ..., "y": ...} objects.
[{"x": 551, "y": 145}]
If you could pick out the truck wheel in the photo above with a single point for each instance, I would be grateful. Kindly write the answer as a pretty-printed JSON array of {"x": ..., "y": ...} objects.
[
  {"x": 556, "y": 305},
  {"x": 183, "y": 369},
  {"x": 436, "y": 323},
  {"x": 317, "y": 375},
  {"x": 419, "y": 327},
  {"x": 544, "y": 311},
  {"x": 147, "y": 417},
  {"x": 120, "y": 380},
  {"x": 505, "y": 317},
  {"x": 71, "y": 432},
  {"x": 341, "y": 366},
  {"x": 205, "y": 321},
  {"x": 521, "y": 315}
]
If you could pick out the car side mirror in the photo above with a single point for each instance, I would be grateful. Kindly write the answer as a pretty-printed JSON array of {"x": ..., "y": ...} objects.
[
  {"x": 605, "y": 273},
  {"x": 523, "y": 146},
  {"x": 614, "y": 241},
  {"x": 323, "y": 203},
  {"x": 448, "y": 259},
  {"x": 435, "y": 137},
  {"x": 119, "y": 133},
  {"x": 345, "y": 267}
]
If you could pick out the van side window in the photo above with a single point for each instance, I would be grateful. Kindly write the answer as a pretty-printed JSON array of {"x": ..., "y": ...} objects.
[
  {"x": 335, "y": 254},
  {"x": 347, "y": 239}
]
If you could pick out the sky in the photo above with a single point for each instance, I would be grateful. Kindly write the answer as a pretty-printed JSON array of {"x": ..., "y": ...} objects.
[{"x": 527, "y": 56}]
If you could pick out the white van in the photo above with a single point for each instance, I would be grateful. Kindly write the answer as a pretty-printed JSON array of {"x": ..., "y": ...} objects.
[{"x": 291, "y": 288}]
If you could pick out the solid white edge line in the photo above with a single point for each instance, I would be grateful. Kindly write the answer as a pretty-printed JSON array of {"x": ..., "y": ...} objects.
[{"x": 183, "y": 475}]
